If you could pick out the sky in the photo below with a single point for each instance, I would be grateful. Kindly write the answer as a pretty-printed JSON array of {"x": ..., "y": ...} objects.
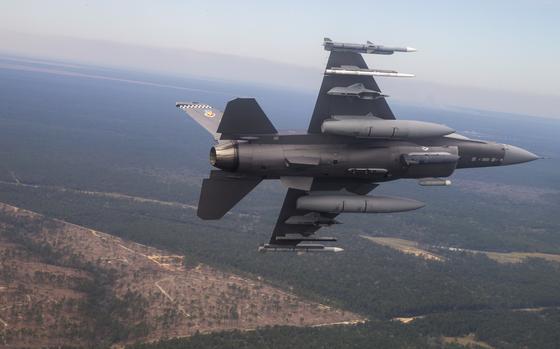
[{"x": 507, "y": 46}]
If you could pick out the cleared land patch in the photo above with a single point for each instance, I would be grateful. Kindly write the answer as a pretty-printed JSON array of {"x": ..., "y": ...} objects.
[
  {"x": 405, "y": 246},
  {"x": 468, "y": 341},
  {"x": 157, "y": 295},
  {"x": 416, "y": 249}
]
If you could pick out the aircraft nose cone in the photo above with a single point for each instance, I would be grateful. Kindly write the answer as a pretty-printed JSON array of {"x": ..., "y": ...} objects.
[{"x": 516, "y": 155}]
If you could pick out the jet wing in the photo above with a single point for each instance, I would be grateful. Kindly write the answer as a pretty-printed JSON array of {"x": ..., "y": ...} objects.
[
  {"x": 294, "y": 226},
  {"x": 340, "y": 104}
]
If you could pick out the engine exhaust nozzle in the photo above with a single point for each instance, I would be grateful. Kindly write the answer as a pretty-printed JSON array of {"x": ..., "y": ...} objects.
[{"x": 225, "y": 156}]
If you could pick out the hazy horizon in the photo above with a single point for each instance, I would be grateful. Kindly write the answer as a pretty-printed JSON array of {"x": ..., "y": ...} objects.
[
  {"x": 497, "y": 55},
  {"x": 233, "y": 68}
]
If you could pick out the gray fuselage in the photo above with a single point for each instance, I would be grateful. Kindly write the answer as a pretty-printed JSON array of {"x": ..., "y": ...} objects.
[{"x": 309, "y": 155}]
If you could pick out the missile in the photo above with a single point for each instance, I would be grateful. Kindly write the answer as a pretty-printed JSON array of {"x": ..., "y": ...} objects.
[
  {"x": 356, "y": 90},
  {"x": 298, "y": 248},
  {"x": 432, "y": 182},
  {"x": 372, "y": 127},
  {"x": 352, "y": 70},
  {"x": 369, "y": 47},
  {"x": 338, "y": 203},
  {"x": 299, "y": 238}
]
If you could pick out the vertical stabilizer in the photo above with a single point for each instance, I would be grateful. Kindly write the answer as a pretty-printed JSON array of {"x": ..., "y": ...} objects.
[{"x": 244, "y": 117}]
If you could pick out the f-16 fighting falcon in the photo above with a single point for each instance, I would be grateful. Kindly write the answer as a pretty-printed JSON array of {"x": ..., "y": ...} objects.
[{"x": 352, "y": 145}]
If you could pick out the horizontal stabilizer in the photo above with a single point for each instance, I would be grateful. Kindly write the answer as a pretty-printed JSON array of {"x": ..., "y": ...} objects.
[
  {"x": 242, "y": 117},
  {"x": 220, "y": 193},
  {"x": 204, "y": 114}
]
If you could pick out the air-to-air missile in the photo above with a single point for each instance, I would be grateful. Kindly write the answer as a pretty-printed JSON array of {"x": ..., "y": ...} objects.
[
  {"x": 355, "y": 90},
  {"x": 353, "y": 144},
  {"x": 298, "y": 248},
  {"x": 369, "y": 47},
  {"x": 353, "y": 70}
]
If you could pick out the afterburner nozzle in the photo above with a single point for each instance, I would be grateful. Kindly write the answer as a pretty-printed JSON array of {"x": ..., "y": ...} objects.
[{"x": 224, "y": 156}]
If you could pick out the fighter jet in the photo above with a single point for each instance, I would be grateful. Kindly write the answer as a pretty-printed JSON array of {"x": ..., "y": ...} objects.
[{"x": 352, "y": 145}]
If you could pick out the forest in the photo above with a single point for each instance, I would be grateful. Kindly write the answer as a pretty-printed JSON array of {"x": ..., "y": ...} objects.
[
  {"x": 131, "y": 166},
  {"x": 98, "y": 318},
  {"x": 500, "y": 329}
]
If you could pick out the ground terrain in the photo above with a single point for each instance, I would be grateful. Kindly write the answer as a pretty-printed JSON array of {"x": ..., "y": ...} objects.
[
  {"x": 42, "y": 292},
  {"x": 107, "y": 150},
  {"x": 429, "y": 252}
]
